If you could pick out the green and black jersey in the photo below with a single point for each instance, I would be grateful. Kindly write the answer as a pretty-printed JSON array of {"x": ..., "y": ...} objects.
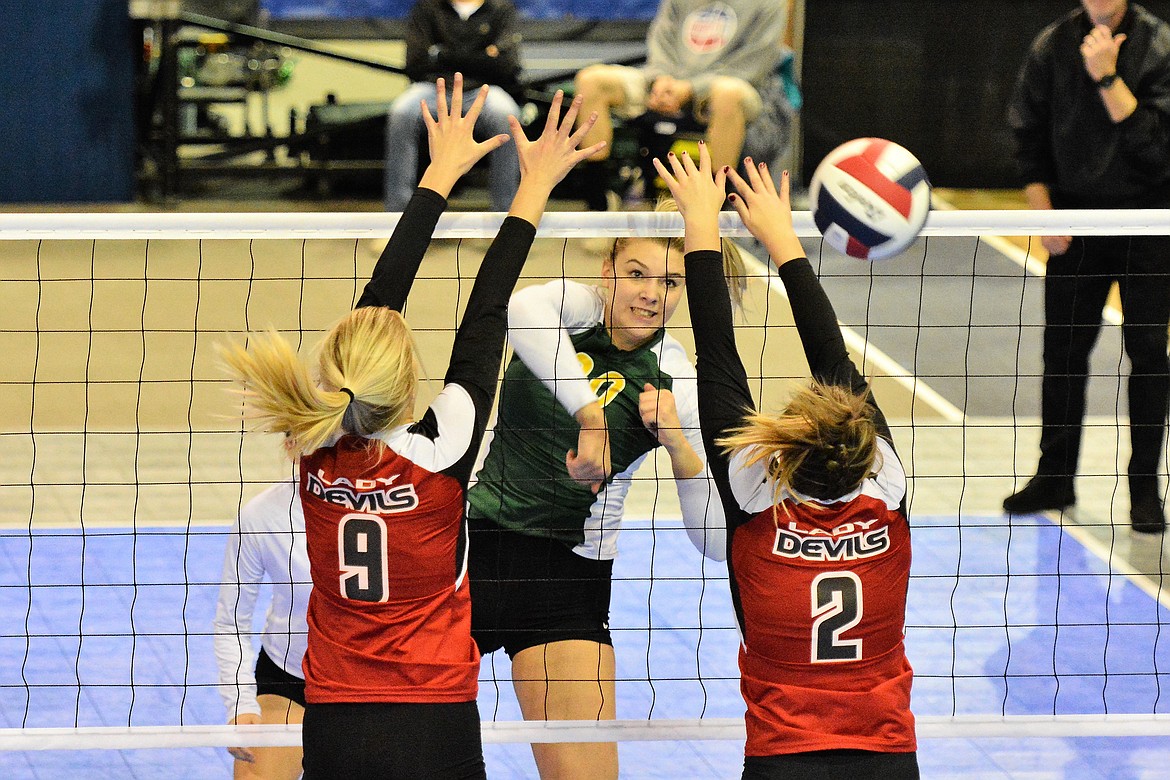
[{"x": 524, "y": 484}]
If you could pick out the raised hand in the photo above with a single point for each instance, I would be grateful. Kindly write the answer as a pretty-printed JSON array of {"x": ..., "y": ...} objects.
[
  {"x": 699, "y": 194},
  {"x": 545, "y": 161},
  {"x": 551, "y": 156},
  {"x": 450, "y": 138},
  {"x": 766, "y": 211}
]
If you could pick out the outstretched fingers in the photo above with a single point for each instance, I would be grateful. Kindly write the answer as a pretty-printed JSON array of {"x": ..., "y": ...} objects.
[
  {"x": 517, "y": 130},
  {"x": 667, "y": 176},
  {"x": 704, "y": 158},
  {"x": 554, "y": 112},
  {"x": 441, "y": 99},
  {"x": 570, "y": 117},
  {"x": 760, "y": 177},
  {"x": 587, "y": 152},
  {"x": 428, "y": 120},
  {"x": 457, "y": 97},
  {"x": 477, "y": 104},
  {"x": 585, "y": 127}
]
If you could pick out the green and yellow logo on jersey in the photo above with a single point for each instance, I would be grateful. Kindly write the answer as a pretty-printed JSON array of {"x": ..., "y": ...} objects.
[{"x": 607, "y": 386}]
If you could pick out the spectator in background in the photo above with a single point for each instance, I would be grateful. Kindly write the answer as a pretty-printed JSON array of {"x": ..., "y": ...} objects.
[
  {"x": 716, "y": 59},
  {"x": 1091, "y": 117},
  {"x": 477, "y": 38}
]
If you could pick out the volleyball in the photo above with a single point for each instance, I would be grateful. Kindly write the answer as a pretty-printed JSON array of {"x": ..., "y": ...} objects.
[{"x": 869, "y": 198}]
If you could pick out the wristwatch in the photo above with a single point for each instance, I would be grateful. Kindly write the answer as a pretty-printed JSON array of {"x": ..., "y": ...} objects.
[{"x": 1106, "y": 81}]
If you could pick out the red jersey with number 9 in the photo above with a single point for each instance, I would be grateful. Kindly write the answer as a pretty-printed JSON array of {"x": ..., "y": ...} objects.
[
  {"x": 821, "y": 600},
  {"x": 390, "y": 611}
]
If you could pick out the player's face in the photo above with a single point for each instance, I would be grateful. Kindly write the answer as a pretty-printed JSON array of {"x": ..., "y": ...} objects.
[
  {"x": 644, "y": 283},
  {"x": 1108, "y": 12}
]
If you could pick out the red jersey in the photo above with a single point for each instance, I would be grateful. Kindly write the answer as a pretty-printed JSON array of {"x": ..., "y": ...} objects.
[
  {"x": 821, "y": 602},
  {"x": 390, "y": 612}
]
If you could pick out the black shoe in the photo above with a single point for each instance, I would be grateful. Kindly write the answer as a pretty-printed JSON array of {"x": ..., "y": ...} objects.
[
  {"x": 1042, "y": 493},
  {"x": 1146, "y": 514}
]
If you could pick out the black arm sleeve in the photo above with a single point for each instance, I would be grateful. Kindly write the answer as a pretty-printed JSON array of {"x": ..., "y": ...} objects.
[
  {"x": 824, "y": 347},
  {"x": 394, "y": 273},
  {"x": 479, "y": 342},
  {"x": 724, "y": 395}
]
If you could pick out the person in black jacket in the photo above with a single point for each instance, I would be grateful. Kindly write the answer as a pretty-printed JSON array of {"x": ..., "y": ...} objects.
[
  {"x": 1091, "y": 118},
  {"x": 477, "y": 38}
]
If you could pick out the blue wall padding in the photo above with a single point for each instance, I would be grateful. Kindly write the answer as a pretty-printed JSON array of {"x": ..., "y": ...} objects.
[{"x": 67, "y": 88}]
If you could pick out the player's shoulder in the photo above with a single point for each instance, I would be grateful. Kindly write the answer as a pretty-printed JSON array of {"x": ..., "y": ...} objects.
[
  {"x": 273, "y": 507},
  {"x": 673, "y": 358}
]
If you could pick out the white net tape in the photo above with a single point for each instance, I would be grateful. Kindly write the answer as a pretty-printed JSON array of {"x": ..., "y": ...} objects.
[
  {"x": 1081, "y": 222},
  {"x": 664, "y": 730}
]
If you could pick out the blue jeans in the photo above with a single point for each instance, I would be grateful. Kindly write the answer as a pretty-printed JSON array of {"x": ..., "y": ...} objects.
[{"x": 404, "y": 129}]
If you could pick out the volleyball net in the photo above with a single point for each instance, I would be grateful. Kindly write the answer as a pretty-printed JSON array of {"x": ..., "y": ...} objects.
[{"x": 124, "y": 462}]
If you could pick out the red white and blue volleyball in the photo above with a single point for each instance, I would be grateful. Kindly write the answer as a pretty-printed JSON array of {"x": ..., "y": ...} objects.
[{"x": 869, "y": 198}]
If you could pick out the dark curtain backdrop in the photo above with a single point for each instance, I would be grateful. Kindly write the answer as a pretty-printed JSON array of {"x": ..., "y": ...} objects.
[
  {"x": 932, "y": 75},
  {"x": 67, "y": 91}
]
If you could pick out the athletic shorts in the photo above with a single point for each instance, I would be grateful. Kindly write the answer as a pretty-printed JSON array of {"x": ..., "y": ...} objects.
[
  {"x": 530, "y": 590},
  {"x": 392, "y": 742},
  {"x": 270, "y": 678},
  {"x": 832, "y": 765}
]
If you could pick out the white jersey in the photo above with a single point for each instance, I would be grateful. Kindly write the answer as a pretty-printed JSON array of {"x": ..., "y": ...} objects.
[{"x": 267, "y": 542}]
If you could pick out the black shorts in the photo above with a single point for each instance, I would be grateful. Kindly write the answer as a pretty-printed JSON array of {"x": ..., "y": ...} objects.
[
  {"x": 392, "y": 742},
  {"x": 270, "y": 678},
  {"x": 530, "y": 590},
  {"x": 832, "y": 765}
]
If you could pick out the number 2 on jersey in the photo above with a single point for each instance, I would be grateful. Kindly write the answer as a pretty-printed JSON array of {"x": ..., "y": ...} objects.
[
  {"x": 836, "y": 608},
  {"x": 361, "y": 553}
]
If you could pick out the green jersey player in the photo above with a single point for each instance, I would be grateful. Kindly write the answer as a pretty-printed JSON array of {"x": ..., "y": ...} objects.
[{"x": 595, "y": 385}]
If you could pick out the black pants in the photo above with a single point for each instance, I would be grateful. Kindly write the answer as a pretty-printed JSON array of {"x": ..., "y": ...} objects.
[
  {"x": 1075, "y": 292},
  {"x": 832, "y": 765},
  {"x": 392, "y": 742}
]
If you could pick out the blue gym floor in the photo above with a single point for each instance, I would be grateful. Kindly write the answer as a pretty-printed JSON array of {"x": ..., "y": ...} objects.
[{"x": 1007, "y": 636}]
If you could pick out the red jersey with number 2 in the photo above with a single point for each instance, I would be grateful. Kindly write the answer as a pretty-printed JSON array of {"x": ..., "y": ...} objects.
[
  {"x": 390, "y": 612},
  {"x": 822, "y": 596}
]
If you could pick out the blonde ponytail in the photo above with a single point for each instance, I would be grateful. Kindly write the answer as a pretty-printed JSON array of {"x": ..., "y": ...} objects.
[
  {"x": 823, "y": 445},
  {"x": 365, "y": 384}
]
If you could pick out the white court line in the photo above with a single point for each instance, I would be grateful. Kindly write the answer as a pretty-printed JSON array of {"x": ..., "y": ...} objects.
[
  {"x": 1111, "y": 558},
  {"x": 1020, "y": 257},
  {"x": 1107, "y": 554},
  {"x": 880, "y": 360}
]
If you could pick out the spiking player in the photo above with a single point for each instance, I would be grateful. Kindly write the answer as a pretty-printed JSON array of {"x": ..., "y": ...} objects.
[
  {"x": 815, "y": 497},
  {"x": 391, "y": 670},
  {"x": 548, "y": 505}
]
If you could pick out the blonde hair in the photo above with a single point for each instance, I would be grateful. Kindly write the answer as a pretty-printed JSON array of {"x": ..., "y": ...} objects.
[
  {"x": 370, "y": 353},
  {"x": 823, "y": 445},
  {"x": 734, "y": 267}
]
